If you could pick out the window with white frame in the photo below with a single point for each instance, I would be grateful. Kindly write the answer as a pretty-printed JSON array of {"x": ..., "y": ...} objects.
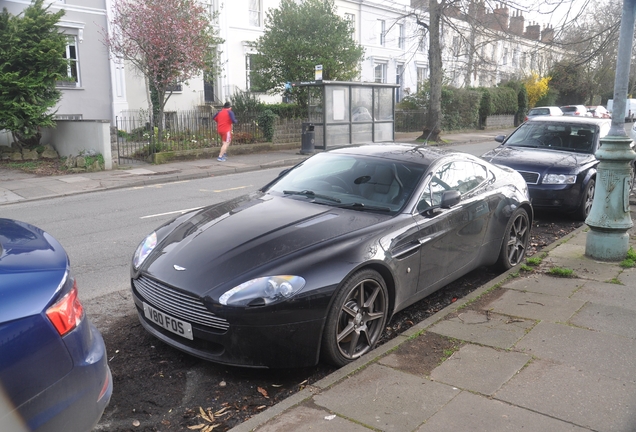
[
  {"x": 382, "y": 35},
  {"x": 515, "y": 57},
  {"x": 72, "y": 78},
  {"x": 505, "y": 57},
  {"x": 351, "y": 19},
  {"x": 380, "y": 72},
  {"x": 422, "y": 76},
  {"x": 255, "y": 13},
  {"x": 401, "y": 37}
]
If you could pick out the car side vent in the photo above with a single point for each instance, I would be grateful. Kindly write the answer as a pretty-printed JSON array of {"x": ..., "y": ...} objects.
[{"x": 530, "y": 177}]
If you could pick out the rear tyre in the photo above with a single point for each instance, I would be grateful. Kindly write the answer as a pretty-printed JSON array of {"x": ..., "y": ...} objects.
[
  {"x": 515, "y": 242},
  {"x": 586, "y": 203},
  {"x": 356, "y": 319}
]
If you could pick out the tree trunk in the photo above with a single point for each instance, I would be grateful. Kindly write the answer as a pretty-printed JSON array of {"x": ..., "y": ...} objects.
[{"x": 432, "y": 127}]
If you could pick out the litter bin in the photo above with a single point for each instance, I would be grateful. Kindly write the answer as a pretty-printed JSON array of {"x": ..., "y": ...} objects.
[{"x": 308, "y": 139}]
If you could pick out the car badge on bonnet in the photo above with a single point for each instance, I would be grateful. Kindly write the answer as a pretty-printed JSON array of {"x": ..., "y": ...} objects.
[{"x": 178, "y": 268}]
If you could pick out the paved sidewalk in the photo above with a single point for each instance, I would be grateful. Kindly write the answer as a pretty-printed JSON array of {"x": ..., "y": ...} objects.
[
  {"x": 17, "y": 186},
  {"x": 532, "y": 352}
]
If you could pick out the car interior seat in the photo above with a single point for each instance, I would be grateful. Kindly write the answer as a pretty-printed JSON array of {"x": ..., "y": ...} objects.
[
  {"x": 583, "y": 140},
  {"x": 383, "y": 186}
]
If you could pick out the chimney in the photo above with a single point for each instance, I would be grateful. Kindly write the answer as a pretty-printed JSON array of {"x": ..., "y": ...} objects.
[
  {"x": 502, "y": 15},
  {"x": 547, "y": 35},
  {"x": 477, "y": 10},
  {"x": 516, "y": 24},
  {"x": 533, "y": 32}
]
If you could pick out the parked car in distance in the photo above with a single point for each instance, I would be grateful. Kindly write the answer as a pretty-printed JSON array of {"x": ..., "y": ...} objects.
[
  {"x": 598, "y": 111},
  {"x": 630, "y": 108},
  {"x": 575, "y": 110},
  {"x": 316, "y": 262},
  {"x": 555, "y": 156},
  {"x": 53, "y": 366},
  {"x": 546, "y": 110}
]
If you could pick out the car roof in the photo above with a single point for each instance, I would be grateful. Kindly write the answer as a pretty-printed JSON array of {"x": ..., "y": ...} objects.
[
  {"x": 570, "y": 120},
  {"x": 404, "y": 152}
]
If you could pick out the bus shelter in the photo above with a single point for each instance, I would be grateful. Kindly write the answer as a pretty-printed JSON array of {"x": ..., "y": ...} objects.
[{"x": 343, "y": 113}]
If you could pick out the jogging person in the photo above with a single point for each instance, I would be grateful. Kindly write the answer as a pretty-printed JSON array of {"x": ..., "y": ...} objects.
[{"x": 224, "y": 120}]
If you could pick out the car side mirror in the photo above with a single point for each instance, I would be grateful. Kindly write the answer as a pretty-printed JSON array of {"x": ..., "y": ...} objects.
[
  {"x": 500, "y": 138},
  {"x": 450, "y": 198}
]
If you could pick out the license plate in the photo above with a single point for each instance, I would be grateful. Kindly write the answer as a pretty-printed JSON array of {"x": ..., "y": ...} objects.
[{"x": 171, "y": 324}]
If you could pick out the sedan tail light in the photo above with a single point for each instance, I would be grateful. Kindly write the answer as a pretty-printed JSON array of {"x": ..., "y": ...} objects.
[{"x": 67, "y": 313}]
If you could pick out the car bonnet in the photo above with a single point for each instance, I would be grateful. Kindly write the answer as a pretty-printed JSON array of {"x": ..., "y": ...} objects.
[
  {"x": 527, "y": 158},
  {"x": 221, "y": 243}
]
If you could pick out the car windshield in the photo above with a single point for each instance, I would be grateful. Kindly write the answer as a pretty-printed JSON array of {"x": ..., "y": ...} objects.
[
  {"x": 555, "y": 136},
  {"x": 351, "y": 181},
  {"x": 568, "y": 109},
  {"x": 539, "y": 111}
]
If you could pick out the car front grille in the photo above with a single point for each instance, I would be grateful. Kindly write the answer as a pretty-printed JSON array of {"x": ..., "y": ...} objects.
[
  {"x": 178, "y": 304},
  {"x": 530, "y": 177}
]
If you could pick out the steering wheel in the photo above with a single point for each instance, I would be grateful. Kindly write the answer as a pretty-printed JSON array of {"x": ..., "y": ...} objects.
[{"x": 339, "y": 183}]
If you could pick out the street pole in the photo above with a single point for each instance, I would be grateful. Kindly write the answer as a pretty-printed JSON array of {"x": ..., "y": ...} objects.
[{"x": 609, "y": 219}]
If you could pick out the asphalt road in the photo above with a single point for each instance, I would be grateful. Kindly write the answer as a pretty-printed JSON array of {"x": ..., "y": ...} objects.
[{"x": 100, "y": 231}]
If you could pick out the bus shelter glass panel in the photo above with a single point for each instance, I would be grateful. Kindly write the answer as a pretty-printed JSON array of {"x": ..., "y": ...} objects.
[
  {"x": 361, "y": 104},
  {"x": 361, "y": 133},
  {"x": 383, "y": 104},
  {"x": 383, "y": 132},
  {"x": 337, "y": 134},
  {"x": 337, "y": 104}
]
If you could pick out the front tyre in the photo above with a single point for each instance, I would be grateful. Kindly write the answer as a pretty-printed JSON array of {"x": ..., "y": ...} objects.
[
  {"x": 586, "y": 203},
  {"x": 356, "y": 318},
  {"x": 515, "y": 242}
]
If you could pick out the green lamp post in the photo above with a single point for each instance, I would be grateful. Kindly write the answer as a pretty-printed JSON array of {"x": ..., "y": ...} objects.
[{"x": 609, "y": 219}]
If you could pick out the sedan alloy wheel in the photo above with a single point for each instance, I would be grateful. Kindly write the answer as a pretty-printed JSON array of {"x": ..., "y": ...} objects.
[
  {"x": 356, "y": 318},
  {"x": 513, "y": 249}
]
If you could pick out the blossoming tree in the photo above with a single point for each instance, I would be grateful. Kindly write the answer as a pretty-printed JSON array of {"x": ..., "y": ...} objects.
[{"x": 169, "y": 41}]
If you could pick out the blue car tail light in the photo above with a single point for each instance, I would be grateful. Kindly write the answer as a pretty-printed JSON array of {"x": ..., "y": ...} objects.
[{"x": 66, "y": 313}]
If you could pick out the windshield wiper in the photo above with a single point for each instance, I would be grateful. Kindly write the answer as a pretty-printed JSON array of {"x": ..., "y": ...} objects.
[
  {"x": 311, "y": 194},
  {"x": 362, "y": 206}
]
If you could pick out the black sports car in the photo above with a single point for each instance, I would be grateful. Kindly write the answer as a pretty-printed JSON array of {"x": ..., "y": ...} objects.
[{"x": 317, "y": 261}]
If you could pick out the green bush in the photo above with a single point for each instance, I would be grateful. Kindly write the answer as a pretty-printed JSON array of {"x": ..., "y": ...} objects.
[
  {"x": 460, "y": 108},
  {"x": 286, "y": 110},
  {"x": 266, "y": 122},
  {"x": 245, "y": 102}
]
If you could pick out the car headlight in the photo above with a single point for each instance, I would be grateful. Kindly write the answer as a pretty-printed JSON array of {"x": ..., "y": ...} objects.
[
  {"x": 144, "y": 249},
  {"x": 559, "y": 179},
  {"x": 263, "y": 291}
]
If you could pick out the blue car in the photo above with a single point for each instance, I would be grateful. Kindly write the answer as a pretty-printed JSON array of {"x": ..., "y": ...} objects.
[{"x": 54, "y": 374}]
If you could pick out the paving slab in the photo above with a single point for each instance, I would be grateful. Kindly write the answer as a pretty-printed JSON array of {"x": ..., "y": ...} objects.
[
  {"x": 628, "y": 277},
  {"x": 35, "y": 192},
  {"x": 6, "y": 196},
  {"x": 609, "y": 293},
  {"x": 607, "y": 354},
  {"x": 73, "y": 179},
  {"x": 544, "y": 284},
  {"x": 479, "y": 369},
  {"x": 571, "y": 254},
  {"x": 470, "y": 412},
  {"x": 565, "y": 392},
  {"x": 386, "y": 399},
  {"x": 608, "y": 319},
  {"x": 535, "y": 306},
  {"x": 500, "y": 331},
  {"x": 307, "y": 418}
]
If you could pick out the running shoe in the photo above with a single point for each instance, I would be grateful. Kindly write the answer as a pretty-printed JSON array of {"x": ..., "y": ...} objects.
[{"x": 221, "y": 158}]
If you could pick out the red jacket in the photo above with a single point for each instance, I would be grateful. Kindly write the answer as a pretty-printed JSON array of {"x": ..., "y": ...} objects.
[{"x": 224, "y": 119}]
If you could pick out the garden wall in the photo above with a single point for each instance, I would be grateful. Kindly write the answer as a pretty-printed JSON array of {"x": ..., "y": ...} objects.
[{"x": 74, "y": 137}]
